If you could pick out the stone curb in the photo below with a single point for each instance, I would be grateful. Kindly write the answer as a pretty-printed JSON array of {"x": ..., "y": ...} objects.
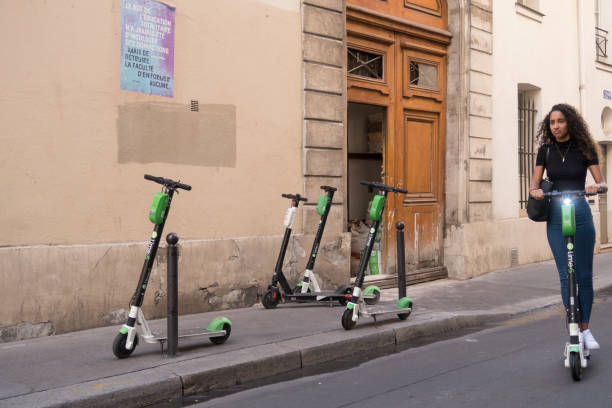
[
  {"x": 133, "y": 389},
  {"x": 212, "y": 372}
]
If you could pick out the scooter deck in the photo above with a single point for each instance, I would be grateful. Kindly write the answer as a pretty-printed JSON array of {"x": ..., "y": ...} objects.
[
  {"x": 379, "y": 310},
  {"x": 327, "y": 296},
  {"x": 315, "y": 297},
  {"x": 195, "y": 332}
]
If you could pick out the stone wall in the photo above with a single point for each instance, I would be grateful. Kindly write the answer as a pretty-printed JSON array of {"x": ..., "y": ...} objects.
[
  {"x": 57, "y": 289},
  {"x": 324, "y": 122},
  {"x": 324, "y": 126},
  {"x": 480, "y": 195}
]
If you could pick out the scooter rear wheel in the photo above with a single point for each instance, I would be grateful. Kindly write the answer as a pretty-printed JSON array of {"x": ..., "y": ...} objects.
[
  {"x": 374, "y": 300},
  {"x": 403, "y": 316},
  {"x": 119, "y": 349},
  {"x": 575, "y": 366},
  {"x": 347, "y": 320},
  {"x": 270, "y": 301},
  {"x": 221, "y": 339}
]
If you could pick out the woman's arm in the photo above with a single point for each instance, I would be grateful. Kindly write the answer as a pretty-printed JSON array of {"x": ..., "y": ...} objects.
[
  {"x": 601, "y": 184},
  {"x": 534, "y": 187}
]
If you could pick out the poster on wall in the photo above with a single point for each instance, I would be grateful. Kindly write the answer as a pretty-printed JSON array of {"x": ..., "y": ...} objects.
[{"x": 147, "y": 47}]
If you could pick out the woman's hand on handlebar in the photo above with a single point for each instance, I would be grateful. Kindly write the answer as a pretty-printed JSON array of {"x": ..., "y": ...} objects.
[
  {"x": 537, "y": 193},
  {"x": 601, "y": 188}
]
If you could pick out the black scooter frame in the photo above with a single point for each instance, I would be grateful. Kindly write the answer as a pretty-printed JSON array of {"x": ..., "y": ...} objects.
[
  {"x": 127, "y": 339},
  {"x": 273, "y": 296}
]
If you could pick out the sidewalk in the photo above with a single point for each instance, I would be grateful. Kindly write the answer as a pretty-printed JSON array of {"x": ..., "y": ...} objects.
[{"x": 79, "y": 369}]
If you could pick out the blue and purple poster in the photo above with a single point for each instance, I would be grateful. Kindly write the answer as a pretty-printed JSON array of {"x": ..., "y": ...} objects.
[{"x": 147, "y": 47}]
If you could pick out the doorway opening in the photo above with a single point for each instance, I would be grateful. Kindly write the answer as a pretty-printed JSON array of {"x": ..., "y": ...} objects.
[{"x": 366, "y": 133}]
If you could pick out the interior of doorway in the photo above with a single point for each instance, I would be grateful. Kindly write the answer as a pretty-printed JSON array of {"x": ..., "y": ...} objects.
[{"x": 366, "y": 133}]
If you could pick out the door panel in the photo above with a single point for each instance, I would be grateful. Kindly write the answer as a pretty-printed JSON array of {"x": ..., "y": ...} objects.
[
  {"x": 426, "y": 237},
  {"x": 427, "y": 12},
  {"x": 419, "y": 172},
  {"x": 420, "y": 145}
]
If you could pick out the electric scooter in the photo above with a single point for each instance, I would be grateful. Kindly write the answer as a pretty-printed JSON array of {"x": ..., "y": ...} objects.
[
  {"x": 126, "y": 340},
  {"x": 576, "y": 354},
  {"x": 355, "y": 307},
  {"x": 308, "y": 290}
]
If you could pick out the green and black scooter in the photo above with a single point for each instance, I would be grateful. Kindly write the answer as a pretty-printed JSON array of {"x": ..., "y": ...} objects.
[
  {"x": 356, "y": 307},
  {"x": 576, "y": 354},
  {"x": 127, "y": 339},
  {"x": 308, "y": 290}
]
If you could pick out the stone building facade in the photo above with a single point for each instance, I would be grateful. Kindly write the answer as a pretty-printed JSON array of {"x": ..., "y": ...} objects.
[{"x": 285, "y": 88}]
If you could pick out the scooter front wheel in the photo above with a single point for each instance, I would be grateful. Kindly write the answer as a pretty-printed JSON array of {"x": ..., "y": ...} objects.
[
  {"x": 270, "y": 299},
  {"x": 575, "y": 366},
  {"x": 347, "y": 320},
  {"x": 221, "y": 339},
  {"x": 119, "y": 349}
]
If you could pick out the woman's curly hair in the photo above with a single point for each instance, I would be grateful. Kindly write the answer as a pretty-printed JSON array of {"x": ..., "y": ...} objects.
[{"x": 576, "y": 127}]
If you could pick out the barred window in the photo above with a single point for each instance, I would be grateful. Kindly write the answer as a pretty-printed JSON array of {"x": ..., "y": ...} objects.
[
  {"x": 526, "y": 143},
  {"x": 601, "y": 43},
  {"x": 424, "y": 75},
  {"x": 365, "y": 64}
]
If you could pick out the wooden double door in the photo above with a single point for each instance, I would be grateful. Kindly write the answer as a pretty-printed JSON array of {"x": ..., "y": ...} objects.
[{"x": 402, "y": 68}]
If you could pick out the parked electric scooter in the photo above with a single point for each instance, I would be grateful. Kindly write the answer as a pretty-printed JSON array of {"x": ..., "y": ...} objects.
[
  {"x": 308, "y": 290},
  {"x": 576, "y": 354},
  {"x": 127, "y": 339},
  {"x": 356, "y": 307}
]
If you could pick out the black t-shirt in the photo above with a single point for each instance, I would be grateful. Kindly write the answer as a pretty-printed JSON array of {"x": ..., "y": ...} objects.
[{"x": 569, "y": 174}]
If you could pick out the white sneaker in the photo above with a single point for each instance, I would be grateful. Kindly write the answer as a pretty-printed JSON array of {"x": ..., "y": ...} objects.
[{"x": 589, "y": 340}]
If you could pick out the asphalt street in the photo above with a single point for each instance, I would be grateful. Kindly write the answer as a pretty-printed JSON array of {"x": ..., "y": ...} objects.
[{"x": 516, "y": 364}]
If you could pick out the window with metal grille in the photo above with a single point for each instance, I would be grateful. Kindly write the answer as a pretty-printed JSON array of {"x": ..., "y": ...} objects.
[
  {"x": 365, "y": 64},
  {"x": 526, "y": 143},
  {"x": 423, "y": 75},
  {"x": 601, "y": 42}
]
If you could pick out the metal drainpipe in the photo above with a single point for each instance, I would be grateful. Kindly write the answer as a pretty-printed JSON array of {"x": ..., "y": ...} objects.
[
  {"x": 466, "y": 150},
  {"x": 581, "y": 68}
]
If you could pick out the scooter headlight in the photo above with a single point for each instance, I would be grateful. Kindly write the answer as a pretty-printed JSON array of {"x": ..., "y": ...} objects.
[{"x": 567, "y": 201}]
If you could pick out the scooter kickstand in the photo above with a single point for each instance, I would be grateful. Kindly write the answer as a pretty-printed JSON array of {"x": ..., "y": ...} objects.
[{"x": 161, "y": 343}]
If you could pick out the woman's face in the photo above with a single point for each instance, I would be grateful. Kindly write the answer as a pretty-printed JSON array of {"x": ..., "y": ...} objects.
[{"x": 558, "y": 126}]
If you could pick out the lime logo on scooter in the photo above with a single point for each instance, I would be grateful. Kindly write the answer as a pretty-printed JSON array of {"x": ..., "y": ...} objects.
[
  {"x": 570, "y": 261},
  {"x": 315, "y": 250},
  {"x": 570, "y": 246},
  {"x": 151, "y": 243}
]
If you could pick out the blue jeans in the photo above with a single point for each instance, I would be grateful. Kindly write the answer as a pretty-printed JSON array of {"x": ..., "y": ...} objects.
[{"x": 584, "y": 244}]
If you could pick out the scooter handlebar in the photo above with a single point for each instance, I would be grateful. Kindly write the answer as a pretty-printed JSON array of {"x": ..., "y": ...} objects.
[
  {"x": 384, "y": 187},
  {"x": 328, "y": 188},
  {"x": 579, "y": 193},
  {"x": 167, "y": 182},
  {"x": 296, "y": 197}
]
